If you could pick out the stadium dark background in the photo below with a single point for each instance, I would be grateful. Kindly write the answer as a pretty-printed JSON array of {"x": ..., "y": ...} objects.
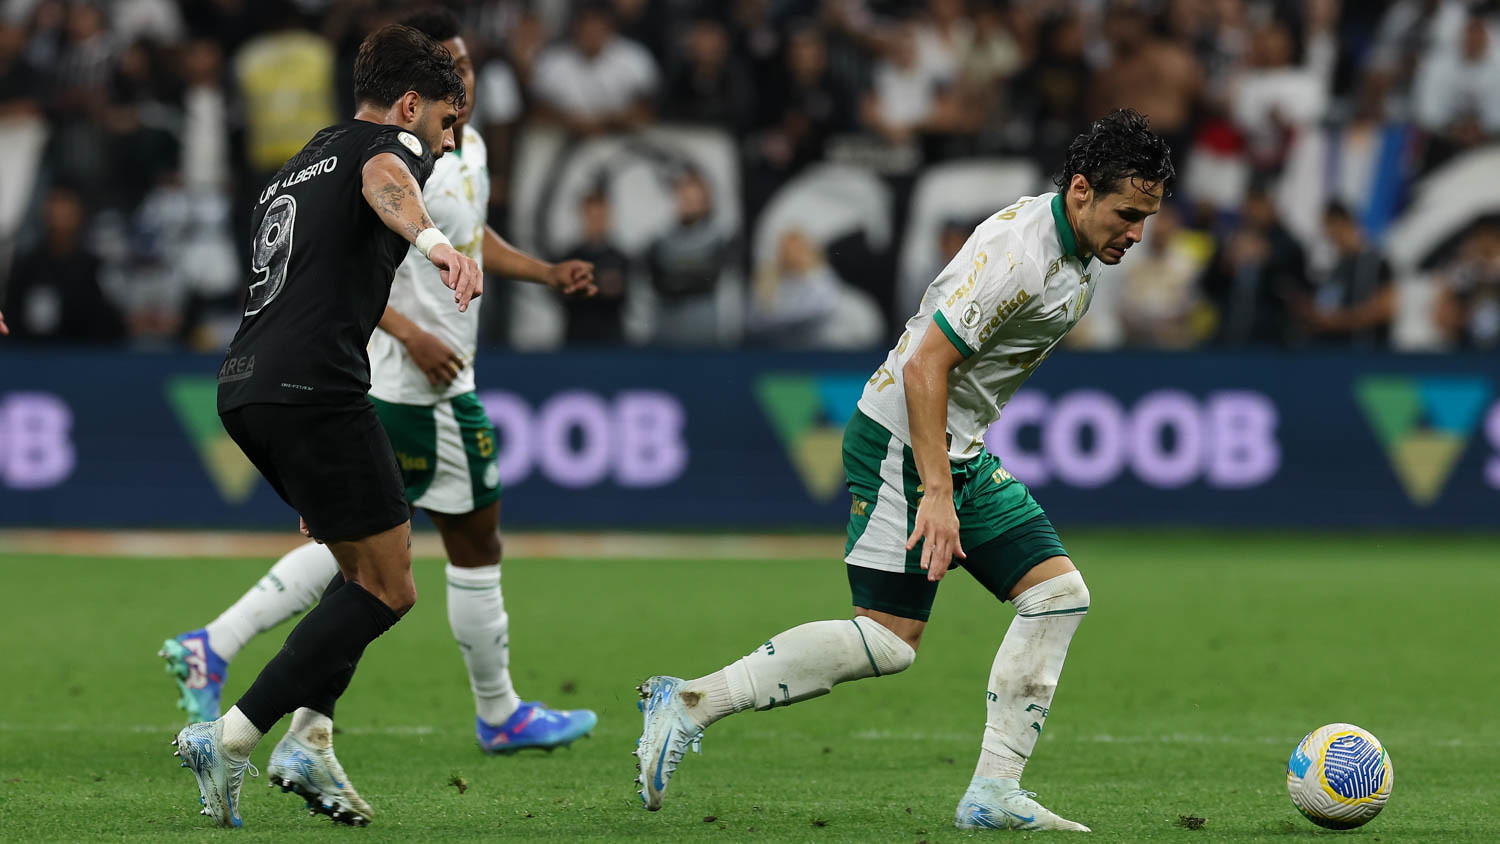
[{"x": 136, "y": 133}]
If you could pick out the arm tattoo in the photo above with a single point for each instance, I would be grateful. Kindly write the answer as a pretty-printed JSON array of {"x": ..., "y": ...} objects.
[{"x": 390, "y": 201}]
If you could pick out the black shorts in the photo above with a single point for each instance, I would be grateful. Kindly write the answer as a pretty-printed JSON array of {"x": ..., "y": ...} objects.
[{"x": 332, "y": 463}]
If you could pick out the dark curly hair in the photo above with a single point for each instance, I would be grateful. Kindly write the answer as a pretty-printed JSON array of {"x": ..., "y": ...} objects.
[
  {"x": 395, "y": 59},
  {"x": 1118, "y": 147}
]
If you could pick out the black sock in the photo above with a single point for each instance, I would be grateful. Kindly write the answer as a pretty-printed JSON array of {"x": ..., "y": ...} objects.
[
  {"x": 323, "y": 701},
  {"x": 323, "y": 647}
]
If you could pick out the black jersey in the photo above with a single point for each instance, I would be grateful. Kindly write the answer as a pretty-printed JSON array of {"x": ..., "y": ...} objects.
[{"x": 321, "y": 266}]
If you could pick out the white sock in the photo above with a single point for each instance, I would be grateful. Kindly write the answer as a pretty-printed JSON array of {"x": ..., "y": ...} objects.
[
  {"x": 476, "y": 614},
  {"x": 240, "y": 736},
  {"x": 295, "y": 583},
  {"x": 1024, "y": 676},
  {"x": 802, "y": 663},
  {"x": 312, "y": 727}
]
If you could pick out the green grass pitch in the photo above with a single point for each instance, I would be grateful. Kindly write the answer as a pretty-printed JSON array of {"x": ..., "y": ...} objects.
[{"x": 1204, "y": 659}]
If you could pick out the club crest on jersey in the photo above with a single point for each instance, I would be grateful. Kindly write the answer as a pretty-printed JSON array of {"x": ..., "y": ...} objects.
[{"x": 410, "y": 141}]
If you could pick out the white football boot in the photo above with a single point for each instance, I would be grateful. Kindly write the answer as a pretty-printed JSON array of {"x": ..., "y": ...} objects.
[
  {"x": 992, "y": 803},
  {"x": 667, "y": 733},
  {"x": 315, "y": 775}
]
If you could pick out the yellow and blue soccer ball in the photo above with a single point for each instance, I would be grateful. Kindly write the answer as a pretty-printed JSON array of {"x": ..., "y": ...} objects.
[{"x": 1339, "y": 776}]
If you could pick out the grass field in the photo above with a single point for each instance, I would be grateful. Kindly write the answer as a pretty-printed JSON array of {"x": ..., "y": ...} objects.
[{"x": 1203, "y": 661}]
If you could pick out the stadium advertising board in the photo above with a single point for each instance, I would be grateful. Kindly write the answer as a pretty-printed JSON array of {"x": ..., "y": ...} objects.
[{"x": 753, "y": 440}]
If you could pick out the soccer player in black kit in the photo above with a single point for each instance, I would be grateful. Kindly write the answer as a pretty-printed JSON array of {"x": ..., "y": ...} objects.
[{"x": 330, "y": 229}]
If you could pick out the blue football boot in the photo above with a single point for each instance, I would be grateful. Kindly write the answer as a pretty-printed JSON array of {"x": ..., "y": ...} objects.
[
  {"x": 535, "y": 725},
  {"x": 199, "y": 673}
]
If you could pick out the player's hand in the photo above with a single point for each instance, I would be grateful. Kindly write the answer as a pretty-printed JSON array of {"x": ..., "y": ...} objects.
[
  {"x": 460, "y": 272},
  {"x": 438, "y": 362},
  {"x": 572, "y": 278},
  {"x": 937, "y": 528},
  {"x": 302, "y": 526}
]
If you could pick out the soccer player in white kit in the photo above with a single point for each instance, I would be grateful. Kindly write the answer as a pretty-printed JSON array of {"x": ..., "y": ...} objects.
[
  {"x": 925, "y": 490},
  {"x": 422, "y": 384}
]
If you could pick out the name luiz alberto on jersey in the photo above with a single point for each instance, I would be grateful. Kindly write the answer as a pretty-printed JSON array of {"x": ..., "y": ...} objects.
[{"x": 327, "y": 165}]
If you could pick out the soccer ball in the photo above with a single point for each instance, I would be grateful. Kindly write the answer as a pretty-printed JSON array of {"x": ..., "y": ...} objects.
[{"x": 1339, "y": 776}]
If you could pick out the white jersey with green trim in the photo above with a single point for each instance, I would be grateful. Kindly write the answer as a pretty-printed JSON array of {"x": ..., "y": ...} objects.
[
  {"x": 1005, "y": 301},
  {"x": 457, "y": 196}
]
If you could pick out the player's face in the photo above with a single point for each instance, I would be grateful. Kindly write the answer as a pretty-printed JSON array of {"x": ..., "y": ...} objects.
[
  {"x": 1109, "y": 224},
  {"x": 435, "y": 124},
  {"x": 465, "y": 67}
]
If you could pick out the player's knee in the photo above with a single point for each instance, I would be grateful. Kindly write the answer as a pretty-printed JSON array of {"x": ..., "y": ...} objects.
[
  {"x": 890, "y": 653},
  {"x": 1063, "y": 593}
]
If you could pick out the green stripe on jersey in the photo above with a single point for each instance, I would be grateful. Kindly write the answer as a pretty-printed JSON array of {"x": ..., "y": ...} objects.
[{"x": 957, "y": 341}]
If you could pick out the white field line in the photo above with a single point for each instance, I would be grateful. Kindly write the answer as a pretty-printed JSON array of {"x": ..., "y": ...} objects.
[
  {"x": 523, "y": 545},
  {"x": 913, "y": 736}
]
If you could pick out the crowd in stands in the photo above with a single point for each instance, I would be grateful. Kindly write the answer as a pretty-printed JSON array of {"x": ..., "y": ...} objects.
[{"x": 137, "y": 134}]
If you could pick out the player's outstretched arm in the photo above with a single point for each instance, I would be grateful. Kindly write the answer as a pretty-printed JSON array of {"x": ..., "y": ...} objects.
[
  {"x": 393, "y": 192},
  {"x": 431, "y": 355},
  {"x": 925, "y": 377},
  {"x": 566, "y": 277}
]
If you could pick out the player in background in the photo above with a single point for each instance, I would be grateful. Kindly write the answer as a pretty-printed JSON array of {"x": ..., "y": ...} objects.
[
  {"x": 422, "y": 384},
  {"x": 927, "y": 495},
  {"x": 330, "y": 230}
]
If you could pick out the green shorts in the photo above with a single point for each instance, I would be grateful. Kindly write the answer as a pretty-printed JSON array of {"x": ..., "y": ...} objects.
[
  {"x": 1004, "y": 532},
  {"x": 446, "y": 452}
]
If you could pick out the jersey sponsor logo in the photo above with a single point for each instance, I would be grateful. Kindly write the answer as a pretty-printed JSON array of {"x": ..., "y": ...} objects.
[
  {"x": 410, "y": 141},
  {"x": 1003, "y": 312},
  {"x": 1424, "y": 424},
  {"x": 808, "y": 413},
  {"x": 36, "y": 440},
  {"x": 237, "y": 369},
  {"x": 195, "y": 401},
  {"x": 967, "y": 287}
]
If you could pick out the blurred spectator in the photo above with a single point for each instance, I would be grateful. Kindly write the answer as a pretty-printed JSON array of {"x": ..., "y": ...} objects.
[
  {"x": 1048, "y": 94},
  {"x": 651, "y": 24},
  {"x": 54, "y": 292},
  {"x": 800, "y": 303},
  {"x": 206, "y": 164},
  {"x": 1353, "y": 303},
  {"x": 1457, "y": 91},
  {"x": 1469, "y": 299},
  {"x": 951, "y": 236},
  {"x": 1259, "y": 266},
  {"x": 912, "y": 93},
  {"x": 687, "y": 265},
  {"x": 1155, "y": 76},
  {"x": 22, "y": 134},
  {"x": 1160, "y": 303},
  {"x": 80, "y": 93},
  {"x": 158, "y": 21},
  {"x": 286, "y": 77},
  {"x": 598, "y": 321},
  {"x": 597, "y": 81},
  {"x": 807, "y": 107},
  {"x": 1275, "y": 96},
  {"x": 708, "y": 85},
  {"x": 141, "y": 127}
]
